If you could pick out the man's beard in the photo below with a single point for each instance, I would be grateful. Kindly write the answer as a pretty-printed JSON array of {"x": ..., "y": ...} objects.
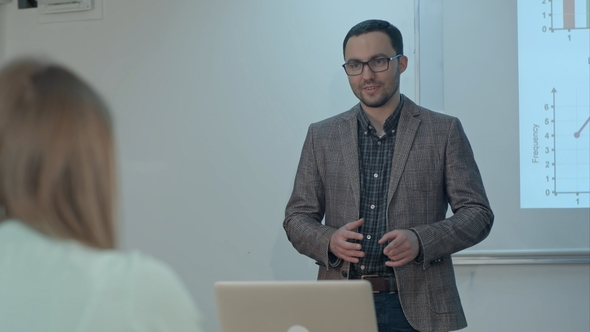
[{"x": 382, "y": 100}]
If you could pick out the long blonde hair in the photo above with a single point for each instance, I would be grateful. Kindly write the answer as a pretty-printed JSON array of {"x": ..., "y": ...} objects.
[{"x": 56, "y": 154}]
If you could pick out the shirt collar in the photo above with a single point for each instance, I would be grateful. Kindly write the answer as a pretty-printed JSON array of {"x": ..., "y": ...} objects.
[{"x": 390, "y": 123}]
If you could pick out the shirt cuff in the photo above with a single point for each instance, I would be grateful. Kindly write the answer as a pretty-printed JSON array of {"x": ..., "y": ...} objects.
[
  {"x": 333, "y": 260},
  {"x": 420, "y": 258}
]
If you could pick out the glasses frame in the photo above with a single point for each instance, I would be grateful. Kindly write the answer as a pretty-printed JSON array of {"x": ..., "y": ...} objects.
[{"x": 367, "y": 64}]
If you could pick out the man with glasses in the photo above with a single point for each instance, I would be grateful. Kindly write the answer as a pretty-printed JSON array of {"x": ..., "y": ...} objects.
[{"x": 382, "y": 175}]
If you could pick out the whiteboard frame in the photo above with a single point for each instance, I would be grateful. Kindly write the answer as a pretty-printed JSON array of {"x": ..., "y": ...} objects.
[{"x": 511, "y": 257}]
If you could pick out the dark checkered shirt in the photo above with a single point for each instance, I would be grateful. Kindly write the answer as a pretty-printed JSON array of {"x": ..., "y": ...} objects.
[{"x": 375, "y": 159}]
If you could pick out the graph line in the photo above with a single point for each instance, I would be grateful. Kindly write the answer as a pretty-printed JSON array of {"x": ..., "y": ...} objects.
[{"x": 577, "y": 133}]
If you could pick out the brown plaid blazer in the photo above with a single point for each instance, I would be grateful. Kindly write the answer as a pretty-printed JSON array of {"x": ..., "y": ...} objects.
[{"x": 433, "y": 168}]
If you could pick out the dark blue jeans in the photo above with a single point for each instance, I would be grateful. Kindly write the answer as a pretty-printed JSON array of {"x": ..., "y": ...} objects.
[{"x": 390, "y": 317}]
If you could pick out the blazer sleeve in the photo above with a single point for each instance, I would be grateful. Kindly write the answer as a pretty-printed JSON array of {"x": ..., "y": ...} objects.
[
  {"x": 306, "y": 207},
  {"x": 472, "y": 217}
]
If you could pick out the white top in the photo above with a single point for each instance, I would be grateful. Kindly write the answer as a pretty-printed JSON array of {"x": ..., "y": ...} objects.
[{"x": 55, "y": 285}]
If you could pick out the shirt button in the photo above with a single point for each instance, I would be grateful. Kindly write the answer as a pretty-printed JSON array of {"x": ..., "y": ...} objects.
[
  {"x": 393, "y": 131},
  {"x": 370, "y": 127},
  {"x": 372, "y": 207},
  {"x": 368, "y": 237},
  {"x": 379, "y": 143},
  {"x": 366, "y": 133},
  {"x": 362, "y": 267},
  {"x": 375, "y": 175}
]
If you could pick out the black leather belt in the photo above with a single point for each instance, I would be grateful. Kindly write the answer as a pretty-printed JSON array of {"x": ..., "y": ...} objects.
[{"x": 379, "y": 284}]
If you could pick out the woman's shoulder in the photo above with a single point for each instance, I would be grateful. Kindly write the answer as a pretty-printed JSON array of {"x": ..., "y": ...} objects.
[
  {"x": 107, "y": 288},
  {"x": 145, "y": 273},
  {"x": 155, "y": 293},
  {"x": 129, "y": 263},
  {"x": 148, "y": 291}
]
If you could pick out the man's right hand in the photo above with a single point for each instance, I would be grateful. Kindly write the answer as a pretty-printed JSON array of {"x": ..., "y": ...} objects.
[{"x": 340, "y": 246}]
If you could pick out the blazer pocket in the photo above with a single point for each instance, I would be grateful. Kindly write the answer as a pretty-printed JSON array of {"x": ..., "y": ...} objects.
[{"x": 443, "y": 296}]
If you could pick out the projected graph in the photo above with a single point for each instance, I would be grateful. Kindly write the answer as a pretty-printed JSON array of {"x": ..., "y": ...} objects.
[
  {"x": 554, "y": 103},
  {"x": 569, "y": 14},
  {"x": 556, "y": 172},
  {"x": 568, "y": 153}
]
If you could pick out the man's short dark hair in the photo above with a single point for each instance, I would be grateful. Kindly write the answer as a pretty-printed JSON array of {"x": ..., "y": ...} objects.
[{"x": 377, "y": 25}]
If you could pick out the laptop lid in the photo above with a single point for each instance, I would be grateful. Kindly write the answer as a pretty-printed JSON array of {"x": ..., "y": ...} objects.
[{"x": 295, "y": 306}]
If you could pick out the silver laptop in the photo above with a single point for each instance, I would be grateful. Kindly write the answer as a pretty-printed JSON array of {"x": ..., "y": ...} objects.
[{"x": 295, "y": 306}]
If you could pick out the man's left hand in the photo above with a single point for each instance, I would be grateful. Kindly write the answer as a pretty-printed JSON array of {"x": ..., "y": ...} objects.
[{"x": 403, "y": 247}]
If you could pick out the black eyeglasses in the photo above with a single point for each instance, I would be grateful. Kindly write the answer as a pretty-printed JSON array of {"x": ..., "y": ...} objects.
[{"x": 377, "y": 65}]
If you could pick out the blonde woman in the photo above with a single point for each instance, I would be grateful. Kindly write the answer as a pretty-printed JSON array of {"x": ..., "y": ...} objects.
[{"x": 59, "y": 270}]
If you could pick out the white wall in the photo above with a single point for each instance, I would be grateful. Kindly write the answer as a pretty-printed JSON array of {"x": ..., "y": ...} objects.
[
  {"x": 539, "y": 298},
  {"x": 212, "y": 101}
]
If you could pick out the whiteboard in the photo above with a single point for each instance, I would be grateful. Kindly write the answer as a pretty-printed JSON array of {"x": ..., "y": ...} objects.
[{"x": 472, "y": 60}]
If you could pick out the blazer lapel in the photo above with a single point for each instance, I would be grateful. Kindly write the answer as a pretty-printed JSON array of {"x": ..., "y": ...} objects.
[
  {"x": 406, "y": 131},
  {"x": 348, "y": 129}
]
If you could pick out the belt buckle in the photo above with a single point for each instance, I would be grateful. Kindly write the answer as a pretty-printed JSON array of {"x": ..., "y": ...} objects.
[{"x": 370, "y": 276}]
